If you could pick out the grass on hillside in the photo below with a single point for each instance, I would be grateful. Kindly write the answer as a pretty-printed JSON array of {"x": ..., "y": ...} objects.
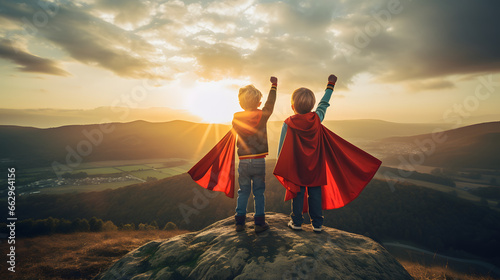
[
  {"x": 74, "y": 256},
  {"x": 85, "y": 255}
]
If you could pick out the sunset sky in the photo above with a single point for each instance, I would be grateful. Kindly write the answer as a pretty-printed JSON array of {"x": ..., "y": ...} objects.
[{"x": 402, "y": 61}]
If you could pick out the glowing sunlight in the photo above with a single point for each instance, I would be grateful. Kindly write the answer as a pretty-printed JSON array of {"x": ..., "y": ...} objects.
[{"x": 214, "y": 102}]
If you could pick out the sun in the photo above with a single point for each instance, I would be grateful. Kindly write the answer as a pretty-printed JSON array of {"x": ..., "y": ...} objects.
[{"x": 213, "y": 102}]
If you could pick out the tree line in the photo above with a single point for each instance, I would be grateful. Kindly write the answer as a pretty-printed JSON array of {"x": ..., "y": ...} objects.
[{"x": 32, "y": 227}]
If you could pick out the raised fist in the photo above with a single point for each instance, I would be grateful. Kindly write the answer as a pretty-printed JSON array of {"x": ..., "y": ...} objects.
[
  {"x": 274, "y": 80},
  {"x": 332, "y": 78}
]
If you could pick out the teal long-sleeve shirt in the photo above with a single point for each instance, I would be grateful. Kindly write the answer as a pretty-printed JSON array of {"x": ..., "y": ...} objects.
[{"x": 320, "y": 110}]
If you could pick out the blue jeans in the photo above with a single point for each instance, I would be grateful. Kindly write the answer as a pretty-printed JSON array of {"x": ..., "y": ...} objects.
[
  {"x": 315, "y": 210},
  {"x": 252, "y": 175}
]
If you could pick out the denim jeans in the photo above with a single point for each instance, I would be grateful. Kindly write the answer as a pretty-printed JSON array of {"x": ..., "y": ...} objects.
[
  {"x": 315, "y": 210},
  {"x": 251, "y": 177}
]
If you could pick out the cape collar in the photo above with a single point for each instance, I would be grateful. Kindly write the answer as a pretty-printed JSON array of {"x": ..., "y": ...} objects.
[
  {"x": 246, "y": 122},
  {"x": 304, "y": 123}
]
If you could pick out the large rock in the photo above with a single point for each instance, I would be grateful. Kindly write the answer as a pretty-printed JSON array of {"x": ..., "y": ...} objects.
[{"x": 218, "y": 252}]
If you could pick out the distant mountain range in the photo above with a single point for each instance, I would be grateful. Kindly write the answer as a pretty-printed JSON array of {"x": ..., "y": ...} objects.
[
  {"x": 34, "y": 147},
  {"x": 30, "y": 146},
  {"x": 45, "y": 118},
  {"x": 53, "y": 117},
  {"x": 141, "y": 139},
  {"x": 474, "y": 146}
]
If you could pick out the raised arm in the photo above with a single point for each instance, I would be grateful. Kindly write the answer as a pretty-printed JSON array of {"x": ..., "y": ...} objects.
[
  {"x": 271, "y": 98},
  {"x": 325, "y": 101},
  {"x": 284, "y": 128}
]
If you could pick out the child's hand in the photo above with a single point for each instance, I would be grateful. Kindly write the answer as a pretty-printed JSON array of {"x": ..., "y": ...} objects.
[
  {"x": 332, "y": 78},
  {"x": 274, "y": 80}
]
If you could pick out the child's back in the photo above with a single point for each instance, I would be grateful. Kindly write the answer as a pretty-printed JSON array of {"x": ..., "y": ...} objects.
[
  {"x": 316, "y": 166},
  {"x": 252, "y": 144}
]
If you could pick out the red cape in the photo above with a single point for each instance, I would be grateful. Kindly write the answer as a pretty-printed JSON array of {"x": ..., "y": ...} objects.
[
  {"x": 215, "y": 171},
  {"x": 314, "y": 156}
]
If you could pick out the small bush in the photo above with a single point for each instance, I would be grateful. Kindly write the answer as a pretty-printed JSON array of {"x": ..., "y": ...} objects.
[
  {"x": 128, "y": 227},
  {"x": 170, "y": 226},
  {"x": 109, "y": 226}
]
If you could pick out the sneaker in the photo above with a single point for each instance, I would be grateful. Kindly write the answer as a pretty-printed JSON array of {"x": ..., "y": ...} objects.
[
  {"x": 318, "y": 229},
  {"x": 294, "y": 226}
]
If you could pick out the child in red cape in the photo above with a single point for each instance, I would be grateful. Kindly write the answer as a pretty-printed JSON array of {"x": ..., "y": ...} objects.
[
  {"x": 215, "y": 171},
  {"x": 319, "y": 169}
]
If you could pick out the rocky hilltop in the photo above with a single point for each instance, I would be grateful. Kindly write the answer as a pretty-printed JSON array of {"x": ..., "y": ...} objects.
[{"x": 218, "y": 252}]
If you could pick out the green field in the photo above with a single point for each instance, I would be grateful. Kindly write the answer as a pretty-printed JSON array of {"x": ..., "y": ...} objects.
[
  {"x": 168, "y": 164},
  {"x": 169, "y": 171},
  {"x": 176, "y": 170},
  {"x": 155, "y": 169},
  {"x": 87, "y": 188},
  {"x": 128, "y": 168},
  {"x": 149, "y": 173},
  {"x": 141, "y": 169},
  {"x": 98, "y": 171},
  {"x": 156, "y": 165}
]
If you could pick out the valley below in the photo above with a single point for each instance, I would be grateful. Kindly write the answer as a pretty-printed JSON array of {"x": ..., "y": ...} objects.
[{"x": 439, "y": 200}]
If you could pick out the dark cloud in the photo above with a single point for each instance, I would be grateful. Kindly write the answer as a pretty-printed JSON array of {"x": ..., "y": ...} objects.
[
  {"x": 27, "y": 62},
  {"x": 451, "y": 37},
  {"x": 86, "y": 38},
  {"x": 430, "y": 39}
]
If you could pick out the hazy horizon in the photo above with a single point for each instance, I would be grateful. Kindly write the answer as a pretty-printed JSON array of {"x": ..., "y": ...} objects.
[{"x": 53, "y": 117}]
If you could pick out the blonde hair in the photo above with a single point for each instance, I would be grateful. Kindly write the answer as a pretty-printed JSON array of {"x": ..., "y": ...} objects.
[
  {"x": 249, "y": 97},
  {"x": 303, "y": 100}
]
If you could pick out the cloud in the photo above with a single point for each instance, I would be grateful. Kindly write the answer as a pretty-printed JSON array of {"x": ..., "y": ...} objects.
[
  {"x": 28, "y": 62},
  {"x": 431, "y": 84},
  {"x": 303, "y": 42},
  {"x": 420, "y": 43},
  {"x": 218, "y": 61},
  {"x": 427, "y": 39},
  {"x": 86, "y": 38},
  {"x": 125, "y": 11}
]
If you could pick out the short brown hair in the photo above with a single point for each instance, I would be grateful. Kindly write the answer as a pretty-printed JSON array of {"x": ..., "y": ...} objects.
[
  {"x": 249, "y": 97},
  {"x": 303, "y": 100}
]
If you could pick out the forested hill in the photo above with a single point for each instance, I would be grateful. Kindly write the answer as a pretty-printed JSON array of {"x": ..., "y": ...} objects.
[
  {"x": 474, "y": 146},
  {"x": 435, "y": 220},
  {"x": 28, "y": 146}
]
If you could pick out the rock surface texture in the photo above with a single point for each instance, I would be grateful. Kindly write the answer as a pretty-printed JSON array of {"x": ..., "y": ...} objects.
[{"x": 219, "y": 252}]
